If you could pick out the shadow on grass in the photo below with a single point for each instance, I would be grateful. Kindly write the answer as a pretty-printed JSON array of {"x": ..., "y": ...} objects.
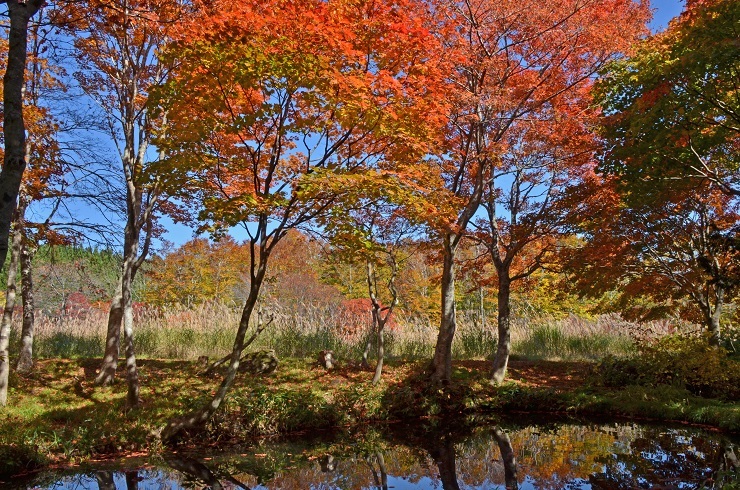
[
  {"x": 416, "y": 396},
  {"x": 59, "y": 413}
]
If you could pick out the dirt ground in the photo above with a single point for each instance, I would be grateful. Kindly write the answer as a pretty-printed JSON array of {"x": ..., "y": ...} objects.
[{"x": 561, "y": 375}]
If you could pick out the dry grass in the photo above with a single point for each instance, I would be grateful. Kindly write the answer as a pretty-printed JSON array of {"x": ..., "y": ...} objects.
[{"x": 302, "y": 330}]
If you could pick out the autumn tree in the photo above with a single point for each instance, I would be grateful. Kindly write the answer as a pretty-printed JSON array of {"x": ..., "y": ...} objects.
[
  {"x": 197, "y": 272},
  {"x": 44, "y": 178},
  {"x": 116, "y": 45},
  {"x": 680, "y": 252},
  {"x": 670, "y": 134},
  {"x": 370, "y": 228},
  {"x": 511, "y": 61},
  {"x": 270, "y": 95},
  {"x": 525, "y": 200},
  {"x": 672, "y": 111},
  {"x": 41, "y": 180}
]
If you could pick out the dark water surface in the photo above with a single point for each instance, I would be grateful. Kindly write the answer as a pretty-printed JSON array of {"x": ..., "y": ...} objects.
[{"x": 523, "y": 456}]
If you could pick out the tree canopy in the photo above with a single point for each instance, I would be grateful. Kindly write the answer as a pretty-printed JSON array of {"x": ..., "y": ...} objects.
[{"x": 673, "y": 108}]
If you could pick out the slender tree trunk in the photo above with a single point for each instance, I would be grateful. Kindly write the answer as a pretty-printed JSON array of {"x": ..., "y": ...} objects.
[
  {"x": 509, "y": 460},
  {"x": 381, "y": 353},
  {"x": 132, "y": 377},
  {"x": 441, "y": 367},
  {"x": 7, "y": 318},
  {"x": 25, "y": 358},
  {"x": 501, "y": 360},
  {"x": 199, "y": 417},
  {"x": 14, "y": 130},
  {"x": 368, "y": 345},
  {"x": 713, "y": 320},
  {"x": 380, "y": 319},
  {"x": 107, "y": 372},
  {"x": 381, "y": 476},
  {"x": 365, "y": 353}
]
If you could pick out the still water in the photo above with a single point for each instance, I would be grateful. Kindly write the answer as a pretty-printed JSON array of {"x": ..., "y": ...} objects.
[{"x": 508, "y": 456}]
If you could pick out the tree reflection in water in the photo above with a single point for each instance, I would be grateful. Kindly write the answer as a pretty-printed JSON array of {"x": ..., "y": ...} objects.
[
  {"x": 545, "y": 456},
  {"x": 507, "y": 456},
  {"x": 442, "y": 449},
  {"x": 380, "y": 477}
]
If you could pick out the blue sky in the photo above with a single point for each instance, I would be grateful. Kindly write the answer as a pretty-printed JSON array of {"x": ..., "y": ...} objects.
[{"x": 664, "y": 11}]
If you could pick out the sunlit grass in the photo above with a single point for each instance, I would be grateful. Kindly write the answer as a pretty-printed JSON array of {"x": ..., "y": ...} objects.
[{"x": 208, "y": 330}]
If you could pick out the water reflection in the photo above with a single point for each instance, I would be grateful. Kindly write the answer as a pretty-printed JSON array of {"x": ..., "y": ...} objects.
[
  {"x": 508, "y": 458},
  {"x": 612, "y": 457}
]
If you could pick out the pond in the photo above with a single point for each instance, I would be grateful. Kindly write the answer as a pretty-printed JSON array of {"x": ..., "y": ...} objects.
[{"x": 438, "y": 455}]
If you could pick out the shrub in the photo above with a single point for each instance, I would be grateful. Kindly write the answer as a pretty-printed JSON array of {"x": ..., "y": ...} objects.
[{"x": 684, "y": 361}]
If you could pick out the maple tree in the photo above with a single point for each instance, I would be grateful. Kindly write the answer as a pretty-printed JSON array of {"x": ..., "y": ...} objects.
[
  {"x": 525, "y": 200},
  {"x": 683, "y": 247},
  {"x": 116, "y": 46},
  {"x": 268, "y": 96},
  {"x": 672, "y": 112},
  {"x": 510, "y": 61},
  {"x": 374, "y": 231}
]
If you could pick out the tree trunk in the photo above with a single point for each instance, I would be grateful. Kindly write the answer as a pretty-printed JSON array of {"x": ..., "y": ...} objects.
[
  {"x": 7, "y": 318},
  {"x": 194, "y": 469},
  {"x": 368, "y": 345},
  {"x": 132, "y": 377},
  {"x": 501, "y": 361},
  {"x": 105, "y": 480},
  {"x": 14, "y": 129},
  {"x": 381, "y": 353},
  {"x": 507, "y": 455},
  {"x": 713, "y": 320},
  {"x": 25, "y": 358},
  {"x": 199, "y": 417},
  {"x": 365, "y": 353},
  {"x": 107, "y": 372},
  {"x": 381, "y": 476},
  {"x": 128, "y": 272},
  {"x": 132, "y": 480},
  {"x": 441, "y": 367}
]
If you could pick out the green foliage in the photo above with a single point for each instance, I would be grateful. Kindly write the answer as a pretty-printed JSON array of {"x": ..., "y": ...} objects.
[
  {"x": 672, "y": 107},
  {"x": 266, "y": 410},
  {"x": 682, "y": 361}
]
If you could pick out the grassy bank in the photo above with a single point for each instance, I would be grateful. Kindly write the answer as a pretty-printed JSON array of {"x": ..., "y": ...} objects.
[{"x": 55, "y": 415}]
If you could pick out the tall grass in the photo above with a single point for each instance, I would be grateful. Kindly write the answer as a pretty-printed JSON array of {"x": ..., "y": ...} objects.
[{"x": 304, "y": 330}]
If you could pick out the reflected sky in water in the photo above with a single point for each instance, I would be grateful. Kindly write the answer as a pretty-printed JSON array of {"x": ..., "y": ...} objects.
[{"x": 605, "y": 456}]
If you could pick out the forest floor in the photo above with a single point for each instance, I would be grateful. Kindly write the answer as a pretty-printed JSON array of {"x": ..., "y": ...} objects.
[{"x": 56, "y": 416}]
